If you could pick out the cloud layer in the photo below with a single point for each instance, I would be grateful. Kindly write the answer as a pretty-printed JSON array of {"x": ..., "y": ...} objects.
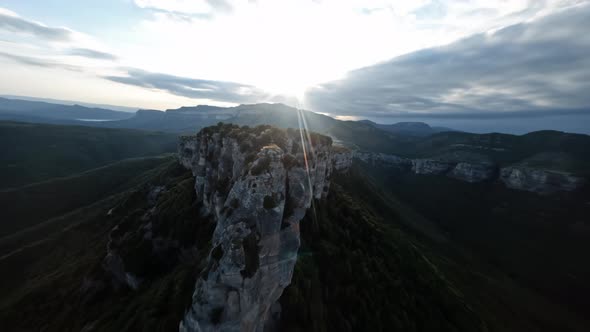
[
  {"x": 536, "y": 68},
  {"x": 164, "y": 49},
  {"x": 14, "y": 23},
  {"x": 38, "y": 62},
  {"x": 90, "y": 53},
  {"x": 191, "y": 87}
]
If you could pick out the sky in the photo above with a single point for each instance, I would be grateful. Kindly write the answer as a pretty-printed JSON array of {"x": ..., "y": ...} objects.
[{"x": 477, "y": 63}]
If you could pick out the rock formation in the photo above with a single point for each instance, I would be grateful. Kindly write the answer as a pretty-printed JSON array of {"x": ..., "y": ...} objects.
[
  {"x": 257, "y": 183},
  {"x": 431, "y": 166},
  {"x": 382, "y": 159},
  {"x": 538, "y": 180},
  {"x": 515, "y": 177},
  {"x": 473, "y": 172},
  {"x": 464, "y": 171}
]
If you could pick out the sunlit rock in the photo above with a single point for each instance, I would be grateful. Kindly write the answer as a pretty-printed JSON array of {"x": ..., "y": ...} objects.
[{"x": 257, "y": 183}]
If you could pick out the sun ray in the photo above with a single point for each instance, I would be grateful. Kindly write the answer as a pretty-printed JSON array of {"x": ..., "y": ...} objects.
[{"x": 306, "y": 145}]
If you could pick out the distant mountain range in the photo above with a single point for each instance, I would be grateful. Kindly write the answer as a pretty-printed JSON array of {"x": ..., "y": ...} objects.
[
  {"x": 70, "y": 102},
  {"x": 409, "y": 128},
  {"x": 43, "y": 112},
  {"x": 186, "y": 119},
  {"x": 403, "y": 139}
]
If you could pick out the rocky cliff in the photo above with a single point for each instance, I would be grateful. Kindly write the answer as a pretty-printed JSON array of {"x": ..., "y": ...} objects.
[
  {"x": 515, "y": 177},
  {"x": 464, "y": 171},
  {"x": 539, "y": 180},
  {"x": 473, "y": 172},
  {"x": 431, "y": 166},
  {"x": 382, "y": 159},
  {"x": 257, "y": 184}
]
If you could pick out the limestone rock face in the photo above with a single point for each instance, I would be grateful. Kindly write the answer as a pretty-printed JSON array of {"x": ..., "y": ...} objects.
[
  {"x": 472, "y": 172},
  {"x": 342, "y": 159},
  {"x": 257, "y": 184},
  {"x": 516, "y": 177},
  {"x": 431, "y": 166},
  {"x": 538, "y": 180},
  {"x": 382, "y": 159}
]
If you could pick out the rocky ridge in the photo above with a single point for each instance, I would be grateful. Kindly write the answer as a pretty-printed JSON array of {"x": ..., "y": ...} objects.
[
  {"x": 257, "y": 184},
  {"x": 538, "y": 180},
  {"x": 515, "y": 177}
]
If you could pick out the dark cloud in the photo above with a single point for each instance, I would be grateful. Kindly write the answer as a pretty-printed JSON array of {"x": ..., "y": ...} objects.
[
  {"x": 93, "y": 54},
  {"x": 191, "y": 87},
  {"x": 38, "y": 62},
  {"x": 19, "y": 24},
  {"x": 540, "y": 68}
]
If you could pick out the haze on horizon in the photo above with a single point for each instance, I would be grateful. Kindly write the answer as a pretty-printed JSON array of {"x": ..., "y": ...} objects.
[{"x": 478, "y": 65}]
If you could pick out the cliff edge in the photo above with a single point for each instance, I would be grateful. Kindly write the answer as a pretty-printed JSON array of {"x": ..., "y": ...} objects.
[{"x": 257, "y": 184}]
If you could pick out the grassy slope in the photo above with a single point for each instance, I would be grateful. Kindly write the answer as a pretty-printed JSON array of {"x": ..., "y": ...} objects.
[
  {"x": 37, "y": 152},
  {"x": 29, "y": 205},
  {"x": 383, "y": 273},
  {"x": 538, "y": 242},
  {"x": 355, "y": 272},
  {"x": 55, "y": 282},
  {"x": 361, "y": 266}
]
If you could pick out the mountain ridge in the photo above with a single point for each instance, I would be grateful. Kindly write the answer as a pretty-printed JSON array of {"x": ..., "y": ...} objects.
[
  {"x": 21, "y": 109},
  {"x": 137, "y": 119}
]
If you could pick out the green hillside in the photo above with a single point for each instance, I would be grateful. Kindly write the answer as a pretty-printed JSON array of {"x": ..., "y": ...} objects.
[
  {"x": 63, "y": 252},
  {"x": 37, "y": 152},
  {"x": 31, "y": 204},
  {"x": 537, "y": 240}
]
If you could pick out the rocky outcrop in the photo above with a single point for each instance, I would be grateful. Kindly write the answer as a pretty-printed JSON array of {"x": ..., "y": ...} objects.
[
  {"x": 431, "y": 166},
  {"x": 341, "y": 158},
  {"x": 473, "y": 172},
  {"x": 257, "y": 184},
  {"x": 538, "y": 180},
  {"x": 464, "y": 171},
  {"x": 515, "y": 177},
  {"x": 130, "y": 234},
  {"x": 382, "y": 159}
]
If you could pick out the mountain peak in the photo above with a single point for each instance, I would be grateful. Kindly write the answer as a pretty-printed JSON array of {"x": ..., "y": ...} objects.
[{"x": 257, "y": 183}]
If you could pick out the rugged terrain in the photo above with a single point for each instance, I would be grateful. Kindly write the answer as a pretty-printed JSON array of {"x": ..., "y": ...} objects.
[
  {"x": 518, "y": 177},
  {"x": 39, "y": 152},
  {"x": 258, "y": 228}
]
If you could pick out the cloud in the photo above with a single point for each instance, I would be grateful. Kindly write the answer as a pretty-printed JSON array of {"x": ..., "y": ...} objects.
[
  {"x": 11, "y": 22},
  {"x": 192, "y": 88},
  {"x": 536, "y": 68},
  {"x": 45, "y": 46},
  {"x": 93, "y": 54},
  {"x": 221, "y": 5},
  {"x": 38, "y": 62},
  {"x": 185, "y": 10}
]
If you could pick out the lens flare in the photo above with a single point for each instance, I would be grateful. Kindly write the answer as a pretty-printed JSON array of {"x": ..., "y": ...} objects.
[{"x": 307, "y": 145}]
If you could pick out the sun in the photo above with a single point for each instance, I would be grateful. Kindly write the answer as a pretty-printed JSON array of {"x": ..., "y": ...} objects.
[{"x": 289, "y": 83}]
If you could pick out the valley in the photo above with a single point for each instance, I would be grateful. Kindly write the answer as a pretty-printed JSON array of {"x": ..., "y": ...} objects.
[{"x": 129, "y": 241}]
